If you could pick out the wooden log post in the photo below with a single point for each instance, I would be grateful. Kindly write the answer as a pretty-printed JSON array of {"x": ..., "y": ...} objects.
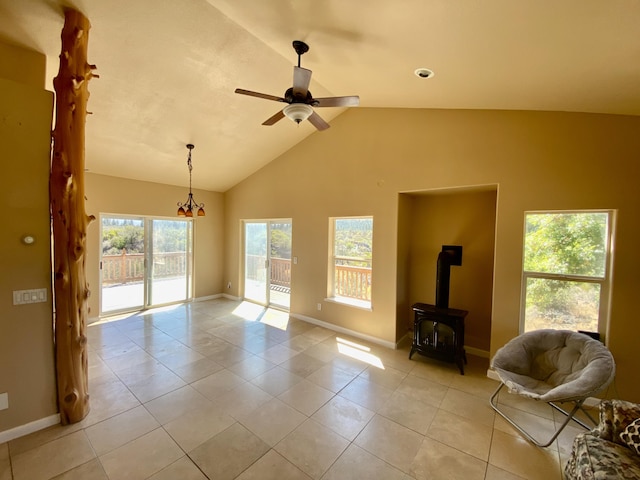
[{"x": 70, "y": 221}]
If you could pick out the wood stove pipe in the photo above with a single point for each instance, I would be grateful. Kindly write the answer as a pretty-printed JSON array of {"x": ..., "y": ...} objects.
[{"x": 450, "y": 255}]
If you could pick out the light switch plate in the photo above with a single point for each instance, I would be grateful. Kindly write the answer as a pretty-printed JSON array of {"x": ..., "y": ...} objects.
[
  {"x": 4, "y": 401},
  {"x": 36, "y": 295}
]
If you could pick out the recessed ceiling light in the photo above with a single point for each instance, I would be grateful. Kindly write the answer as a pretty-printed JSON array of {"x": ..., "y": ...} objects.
[{"x": 424, "y": 73}]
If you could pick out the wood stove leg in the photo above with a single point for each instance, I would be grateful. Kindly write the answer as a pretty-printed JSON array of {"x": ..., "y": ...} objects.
[{"x": 460, "y": 364}]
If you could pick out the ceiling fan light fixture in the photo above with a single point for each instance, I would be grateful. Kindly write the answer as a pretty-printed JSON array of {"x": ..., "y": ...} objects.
[{"x": 298, "y": 112}]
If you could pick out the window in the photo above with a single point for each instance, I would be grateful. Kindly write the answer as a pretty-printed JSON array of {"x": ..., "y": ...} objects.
[
  {"x": 351, "y": 260},
  {"x": 566, "y": 270}
]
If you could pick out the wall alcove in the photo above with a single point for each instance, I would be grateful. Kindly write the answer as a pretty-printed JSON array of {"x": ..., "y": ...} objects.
[{"x": 426, "y": 221}]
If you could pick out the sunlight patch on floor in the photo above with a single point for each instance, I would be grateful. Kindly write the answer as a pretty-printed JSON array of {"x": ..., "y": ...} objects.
[
  {"x": 108, "y": 318},
  {"x": 276, "y": 319},
  {"x": 359, "y": 352},
  {"x": 251, "y": 312}
]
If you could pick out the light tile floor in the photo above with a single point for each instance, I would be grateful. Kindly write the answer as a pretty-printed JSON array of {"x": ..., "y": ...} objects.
[{"x": 229, "y": 390}]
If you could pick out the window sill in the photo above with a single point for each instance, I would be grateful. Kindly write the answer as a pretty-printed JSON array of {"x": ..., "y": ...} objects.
[{"x": 351, "y": 302}]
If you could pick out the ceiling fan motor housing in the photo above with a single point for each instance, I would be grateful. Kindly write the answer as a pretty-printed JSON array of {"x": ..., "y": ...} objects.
[{"x": 291, "y": 98}]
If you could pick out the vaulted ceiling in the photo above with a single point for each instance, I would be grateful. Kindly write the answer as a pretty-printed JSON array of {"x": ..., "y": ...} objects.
[{"x": 168, "y": 69}]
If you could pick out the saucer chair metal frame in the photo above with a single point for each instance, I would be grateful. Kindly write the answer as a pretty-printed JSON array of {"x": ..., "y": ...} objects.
[{"x": 553, "y": 366}]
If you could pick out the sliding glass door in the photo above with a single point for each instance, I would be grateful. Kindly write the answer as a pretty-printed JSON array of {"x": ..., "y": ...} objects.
[
  {"x": 169, "y": 278},
  {"x": 256, "y": 262},
  {"x": 122, "y": 266},
  {"x": 145, "y": 262},
  {"x": 267, "y": 262}
]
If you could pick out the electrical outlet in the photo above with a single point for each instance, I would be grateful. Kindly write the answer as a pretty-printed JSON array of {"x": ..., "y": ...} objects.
[
  {"x": 4, "y": 401},
  {"x": 319, "y": 306},
  {"x": 229, "y": 285}
]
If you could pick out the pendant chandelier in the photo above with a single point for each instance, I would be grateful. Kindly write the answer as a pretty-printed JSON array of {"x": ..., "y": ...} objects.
[{"x": 186, "y": 209}]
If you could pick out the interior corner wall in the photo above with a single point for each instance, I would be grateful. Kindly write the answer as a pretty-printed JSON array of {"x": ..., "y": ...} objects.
[
  {"x": 465, "y": 218},
  {"x": 404, "y": 314},
  {"x": 120, "y": 196},
  {"x": 539, "y": 160},
  {"x": 27, "y": 372}
]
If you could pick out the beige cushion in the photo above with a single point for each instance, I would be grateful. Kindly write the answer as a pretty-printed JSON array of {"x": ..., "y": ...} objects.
[{"x": 554, "y": 365}]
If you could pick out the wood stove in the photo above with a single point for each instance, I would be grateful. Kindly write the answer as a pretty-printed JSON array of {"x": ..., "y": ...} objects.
[{"x": 438, "y": 331}]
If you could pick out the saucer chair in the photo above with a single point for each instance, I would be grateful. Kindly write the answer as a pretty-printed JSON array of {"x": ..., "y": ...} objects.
[{"x": 553, "y": 366}]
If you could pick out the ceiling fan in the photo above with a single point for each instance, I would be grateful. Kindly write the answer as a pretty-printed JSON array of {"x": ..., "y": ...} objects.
[{"x": 299, "y": 99}]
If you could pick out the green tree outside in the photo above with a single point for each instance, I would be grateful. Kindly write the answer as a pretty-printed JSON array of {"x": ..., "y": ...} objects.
[
  {"x": 128, "y": 234},
  {"x": 122, "y": 234},
  {"x": 572, "y": 244},
  {"x": 354, "y": 239}
]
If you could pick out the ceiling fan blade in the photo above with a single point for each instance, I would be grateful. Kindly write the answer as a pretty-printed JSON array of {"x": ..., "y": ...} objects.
[
  {"x": 274, "y": 118},
  {"x": 317, "y": 121},
  {"x": 260, "y": 95},
  {"x": 351, "y": 101},
  {"x": 301, "y": 79}
]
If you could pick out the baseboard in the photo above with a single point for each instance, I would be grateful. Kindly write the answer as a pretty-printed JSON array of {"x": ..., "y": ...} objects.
[
  {"x": 592, "y": 402},
  {"x": 406, "y": 340},
  {"x": 231, "y": 297},
  {"x": 207, "y": 297},
  {"x": 27, "y": 428},
  {"x": 346, "y": 331},
  {"x": 476, "y": 352}
]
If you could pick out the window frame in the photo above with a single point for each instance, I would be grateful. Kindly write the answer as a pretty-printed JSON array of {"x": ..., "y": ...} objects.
[
  {"x": 331, "y": 273},
  {"x": 604, "y": 306}
]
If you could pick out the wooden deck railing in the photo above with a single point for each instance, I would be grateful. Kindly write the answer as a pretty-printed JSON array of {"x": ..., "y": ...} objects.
[
  {"x": 129, "y": 267},
  {"x": 351, "y": 282},
  {"x": 281, "y": 271}
]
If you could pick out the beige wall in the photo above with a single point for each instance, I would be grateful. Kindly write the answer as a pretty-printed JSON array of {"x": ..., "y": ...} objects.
[
  {"x": 455, "y": 218},
  {"x": 22, "y": 66},
  {"x": 115, "y": 195},
  {"x": 358, "y": 167},
  {"x": 26, "y": 334},
  {"x": 539, "y": 160}
]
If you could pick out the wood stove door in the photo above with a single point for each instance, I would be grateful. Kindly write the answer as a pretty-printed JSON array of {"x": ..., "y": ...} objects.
[{"x": 439, "y": 333}]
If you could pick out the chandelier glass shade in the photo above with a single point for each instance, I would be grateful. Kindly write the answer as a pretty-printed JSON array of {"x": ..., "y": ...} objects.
[{"x": 187, "y": 208}]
